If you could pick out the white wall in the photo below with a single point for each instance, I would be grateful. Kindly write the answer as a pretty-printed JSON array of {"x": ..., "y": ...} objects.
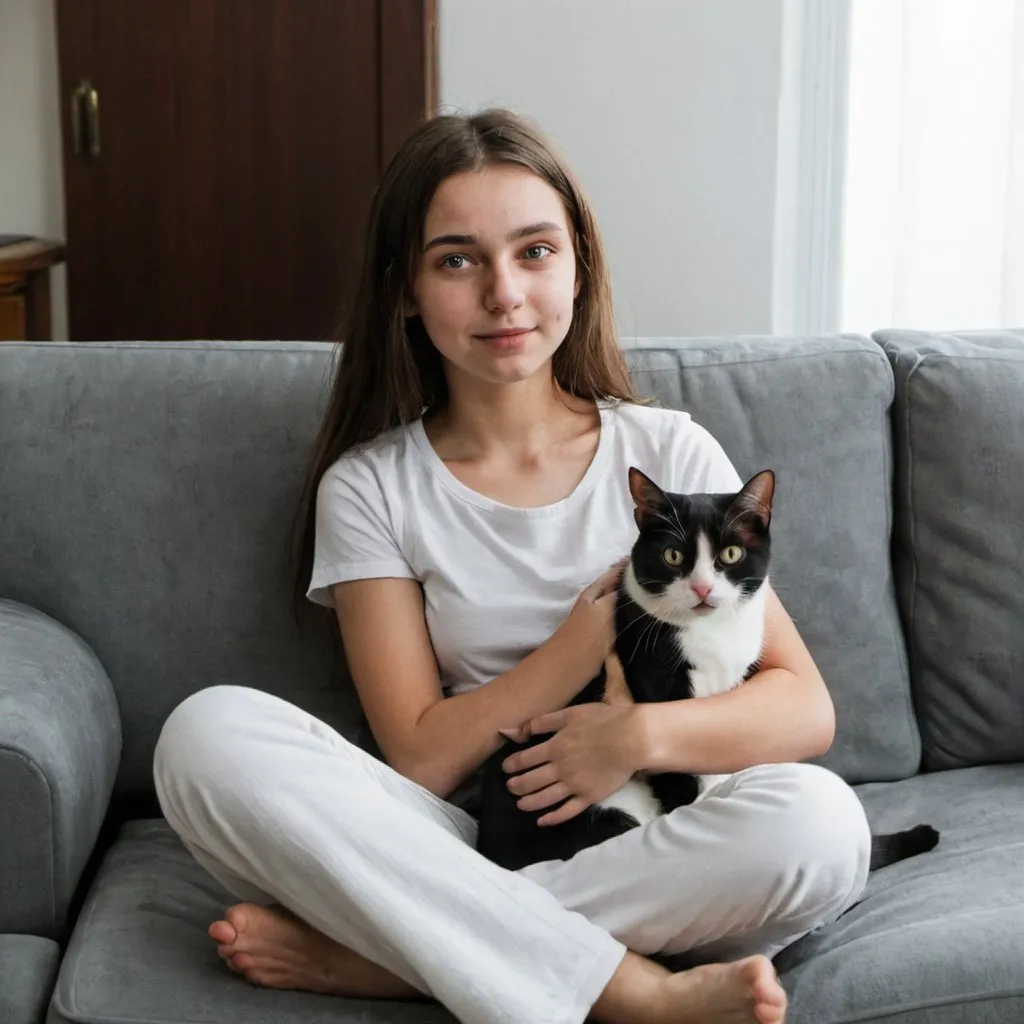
[
  {"x": 31, "y": 190},
  {"x": 669, "y": 112}
]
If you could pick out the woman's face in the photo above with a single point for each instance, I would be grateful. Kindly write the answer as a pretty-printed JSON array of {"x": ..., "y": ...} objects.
[{"x": 497, "y": 275}]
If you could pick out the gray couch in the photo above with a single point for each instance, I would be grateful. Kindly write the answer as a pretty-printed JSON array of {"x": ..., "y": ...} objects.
[{"x": 146, "y": 494}]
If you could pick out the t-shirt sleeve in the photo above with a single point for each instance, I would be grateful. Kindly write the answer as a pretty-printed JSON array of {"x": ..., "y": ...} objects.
[
  {"x": 692, "y": 460},
  {"x": 355, "y": 536},
  {"x": 714, "y": 470}
]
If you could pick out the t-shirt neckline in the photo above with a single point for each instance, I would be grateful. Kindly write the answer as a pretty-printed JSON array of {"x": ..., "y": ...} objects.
[{"x": 587, "y": 482}]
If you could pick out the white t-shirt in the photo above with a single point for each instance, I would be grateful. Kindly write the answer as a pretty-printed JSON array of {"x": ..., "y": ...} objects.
[{"x": 498, "y": 580}]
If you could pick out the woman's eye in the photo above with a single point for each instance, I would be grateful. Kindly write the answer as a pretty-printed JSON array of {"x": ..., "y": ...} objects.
[
  {"x": 731, "y": 555},
  {"x": 454, "y": 261},
  {"x": 538, "y": 252},
  {"x": 673, "y": 557}
]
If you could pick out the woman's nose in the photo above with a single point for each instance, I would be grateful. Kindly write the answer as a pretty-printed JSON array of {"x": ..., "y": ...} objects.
[{"x": 505, "y": 288}]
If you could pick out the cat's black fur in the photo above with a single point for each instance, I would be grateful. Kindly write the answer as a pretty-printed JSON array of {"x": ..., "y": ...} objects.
[{"x": 654, "y": 671}]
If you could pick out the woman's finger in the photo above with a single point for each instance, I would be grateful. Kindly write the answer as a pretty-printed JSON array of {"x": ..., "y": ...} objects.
[
  {"x": 528, "y": 758},
  {"x": 607, "y": 581},
  {"x": 547, "y": 797},
  {"x": 569, "y": 809},
  {"x": 616, "y": 690},
  {"x": 532, "y": 781}
]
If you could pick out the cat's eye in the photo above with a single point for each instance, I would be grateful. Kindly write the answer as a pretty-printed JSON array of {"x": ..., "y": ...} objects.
[
  {"x": 731, "y": 555},
  {"x": 673, "y": 557}
]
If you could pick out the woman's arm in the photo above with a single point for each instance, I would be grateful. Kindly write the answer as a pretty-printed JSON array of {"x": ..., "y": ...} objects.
[
  {"x": 435, "y": 741},
  {"x": 782, "y": 713}
]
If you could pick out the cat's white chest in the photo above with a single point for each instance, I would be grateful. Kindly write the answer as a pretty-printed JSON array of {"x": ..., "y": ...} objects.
[
  {"x": 634, "y": 798},
  {"x": 720, "y": 650}
]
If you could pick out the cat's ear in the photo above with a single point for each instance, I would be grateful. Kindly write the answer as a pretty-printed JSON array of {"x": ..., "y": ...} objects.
[
  {"x": 754, "y": 501},
  {"x": 649, "y": 498}
]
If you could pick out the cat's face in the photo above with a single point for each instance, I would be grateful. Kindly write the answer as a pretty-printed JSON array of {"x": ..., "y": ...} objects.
[{"x": 701, "y": 553}]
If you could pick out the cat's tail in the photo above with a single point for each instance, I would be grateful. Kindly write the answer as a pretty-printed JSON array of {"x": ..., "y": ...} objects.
[{"x": 896, "y": 846}]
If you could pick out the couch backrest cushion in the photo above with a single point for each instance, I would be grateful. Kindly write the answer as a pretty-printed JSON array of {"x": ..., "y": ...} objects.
[
  {"x": 959, "y": 496},
  {"x": 146, "y": 496},
  {"x": 816, "y": 410}
]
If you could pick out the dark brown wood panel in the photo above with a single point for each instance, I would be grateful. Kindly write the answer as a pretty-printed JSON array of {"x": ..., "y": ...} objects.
[
  {"x": 240, "y": 144},
  {"x": 408, "y": 69}
]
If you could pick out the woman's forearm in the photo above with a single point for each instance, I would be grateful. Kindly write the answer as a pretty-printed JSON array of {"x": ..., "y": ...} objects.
[
  {"x": 455, "y": 735},
  {"x": 776, "y": 716}
]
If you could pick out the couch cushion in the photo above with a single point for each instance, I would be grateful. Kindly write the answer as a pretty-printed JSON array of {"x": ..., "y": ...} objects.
[
  {"x": 959, "y": 562},
  {"x": 28, "y": 967},
  {"x": 816, "y": 410},
  {"x": 146, "y": 497},
  {"x": 937, "y": 939},
  {"x": 140, "y": 953}
]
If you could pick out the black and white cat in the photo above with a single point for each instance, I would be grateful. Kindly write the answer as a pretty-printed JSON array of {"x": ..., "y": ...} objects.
[{"x": 689, "y": 620}]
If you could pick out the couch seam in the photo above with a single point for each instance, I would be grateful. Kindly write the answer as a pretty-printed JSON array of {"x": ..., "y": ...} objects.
[
  {"x": 899, "y": 641},
  {"x": 211, "y": 344},
  {"x": 914, "y": 657},
  {"x": 934, "y": 1004},
  {"x": 83, "y": 921},
  {"x": 5, "y": 749},
  {"x": 679, "y": 352}
]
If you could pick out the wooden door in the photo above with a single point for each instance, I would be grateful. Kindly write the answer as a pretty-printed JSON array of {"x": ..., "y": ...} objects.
[{"x": 239, "y": 143}]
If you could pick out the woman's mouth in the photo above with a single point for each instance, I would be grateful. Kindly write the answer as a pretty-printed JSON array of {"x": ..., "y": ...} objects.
[{"x": 508, "y": 339}]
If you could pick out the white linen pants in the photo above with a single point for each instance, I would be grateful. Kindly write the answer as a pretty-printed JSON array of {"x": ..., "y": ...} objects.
[{"x": 280, "y": 808}]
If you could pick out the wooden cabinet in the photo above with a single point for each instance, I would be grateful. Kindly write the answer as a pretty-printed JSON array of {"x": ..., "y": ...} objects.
[{"x": 25, "y": 289}]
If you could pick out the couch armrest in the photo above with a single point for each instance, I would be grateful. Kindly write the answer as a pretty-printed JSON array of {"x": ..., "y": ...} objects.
[
  {"x": 28, "y": 970},
  {"x": 60, "y": 744}
]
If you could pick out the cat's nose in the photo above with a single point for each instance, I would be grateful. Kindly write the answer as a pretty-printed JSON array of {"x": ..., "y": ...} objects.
[{"x": 701, "y": 590}]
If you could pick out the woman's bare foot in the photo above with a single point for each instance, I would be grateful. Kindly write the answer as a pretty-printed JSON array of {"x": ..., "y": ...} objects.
[
  {"x": 271, "y": 947},
  {"x": 744, "y": 992}
]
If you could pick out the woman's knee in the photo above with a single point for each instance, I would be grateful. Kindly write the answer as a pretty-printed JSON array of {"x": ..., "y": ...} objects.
[
  {"x": 818, "y": 834},
  {"x": 205, "y": 749},
  {"x": 203, "y": 725}
]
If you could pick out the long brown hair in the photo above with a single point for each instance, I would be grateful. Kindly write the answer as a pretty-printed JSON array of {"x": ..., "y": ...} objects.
[{"x": 388, "y": 372}]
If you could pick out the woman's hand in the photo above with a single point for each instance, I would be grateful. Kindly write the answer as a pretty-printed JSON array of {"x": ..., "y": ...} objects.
[
  {"x": 591, "y": 755},
  {"x": 590, "y": 626}
]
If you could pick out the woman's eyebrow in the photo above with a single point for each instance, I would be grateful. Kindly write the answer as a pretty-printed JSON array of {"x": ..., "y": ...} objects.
[{"x": 530, "y": 229}]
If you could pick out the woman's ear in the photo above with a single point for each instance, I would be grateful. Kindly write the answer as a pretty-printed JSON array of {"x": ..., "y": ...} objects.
[{"x": 409, "y": 307}]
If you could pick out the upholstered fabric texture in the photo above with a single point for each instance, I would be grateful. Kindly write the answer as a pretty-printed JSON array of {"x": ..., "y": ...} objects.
[
  {"x": 959, "y": 562},
  {"x": 60, "y": 738},
  {"x": 147, "y": 493},
  {"x": 815, "y": 410},
  {"x": 28, "y": 969},
  {"x": 939, "y": 938}
]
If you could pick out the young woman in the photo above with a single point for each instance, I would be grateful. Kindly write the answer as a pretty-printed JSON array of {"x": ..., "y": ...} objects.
[{"x": 468, "y": 494}]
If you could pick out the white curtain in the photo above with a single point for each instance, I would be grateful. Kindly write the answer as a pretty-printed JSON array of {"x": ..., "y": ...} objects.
[{"x": 933, "y": 218}]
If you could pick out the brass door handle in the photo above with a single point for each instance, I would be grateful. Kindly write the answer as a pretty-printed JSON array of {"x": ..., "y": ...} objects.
[{"x": 85, "y": 119}]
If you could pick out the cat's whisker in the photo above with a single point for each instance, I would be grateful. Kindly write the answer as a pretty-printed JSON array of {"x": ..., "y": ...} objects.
[
  {"x": 653, "y": 623},
  {"x": 727, "y": 525},
  {"x": 675, "y": 515},
  {"x": 674, "y": 528},
  {"x": 652, "y": 636}
]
